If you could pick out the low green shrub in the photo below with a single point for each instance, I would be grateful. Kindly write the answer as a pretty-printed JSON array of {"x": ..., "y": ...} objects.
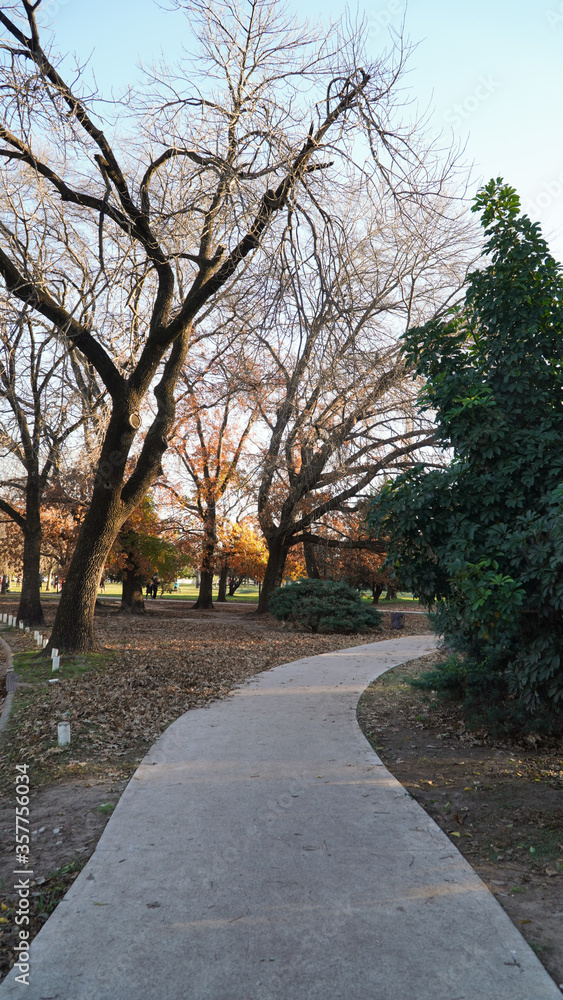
[
  {"x": 323, "y": 606},
  {"x": 447, "y": 679}
]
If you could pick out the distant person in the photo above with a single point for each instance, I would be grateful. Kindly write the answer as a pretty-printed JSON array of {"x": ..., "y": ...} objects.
[{"x": 155, "y": 583}]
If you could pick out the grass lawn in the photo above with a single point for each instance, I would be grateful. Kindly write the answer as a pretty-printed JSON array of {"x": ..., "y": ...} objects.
[{"x": 246, "y": 593}]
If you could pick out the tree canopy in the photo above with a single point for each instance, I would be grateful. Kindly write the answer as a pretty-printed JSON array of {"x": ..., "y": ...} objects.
[
  {"x": 483, "y": 537},
  {"x": 158, "y": 208}
]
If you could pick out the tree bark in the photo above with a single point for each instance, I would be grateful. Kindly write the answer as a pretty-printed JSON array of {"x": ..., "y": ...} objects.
[
  {"x": 234, "y": 584},
  {"x": 30, "y": 610},
  {"x": 114, "y": 497},
  {"x": 391, "y": 594},
  {"x": 376, "y": 590},
  {"x": 222, "y": 595},
  {"x": 73, "y": 630},
  {"x": 311, "y": 561},
  {"x": 205, "y": 597},
  {"x": 277, "y": 553},
  {"x": 132, "y": 602}
]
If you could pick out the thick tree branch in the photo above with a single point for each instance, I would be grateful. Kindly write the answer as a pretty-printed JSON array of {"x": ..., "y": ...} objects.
[{"x": 13, "y": 514}]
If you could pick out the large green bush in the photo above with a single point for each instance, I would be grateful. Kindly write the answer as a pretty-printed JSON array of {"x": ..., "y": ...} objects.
[
  {"x": 483, "y": 538},
  {"x": 323, "y": 606}
]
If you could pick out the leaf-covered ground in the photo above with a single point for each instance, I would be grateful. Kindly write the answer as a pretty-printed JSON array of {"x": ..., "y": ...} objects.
[{"x": 148, "y": 671}]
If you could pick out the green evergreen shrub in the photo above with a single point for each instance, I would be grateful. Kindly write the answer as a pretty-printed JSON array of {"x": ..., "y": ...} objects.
[
  {"x": 482, "y": 538},
  {"x": 323, "y": 606}
]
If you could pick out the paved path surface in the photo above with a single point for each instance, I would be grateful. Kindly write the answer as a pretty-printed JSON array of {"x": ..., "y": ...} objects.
[{"x": 263, "y": 852}]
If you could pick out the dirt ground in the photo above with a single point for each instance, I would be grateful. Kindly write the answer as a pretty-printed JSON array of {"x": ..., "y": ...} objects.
[
  {"x": 500, "y": 804},
  {"x": 150, "y": 670}
]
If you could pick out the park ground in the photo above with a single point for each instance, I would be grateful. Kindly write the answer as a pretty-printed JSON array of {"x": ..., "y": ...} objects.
[{"x": 499, "y": 803}]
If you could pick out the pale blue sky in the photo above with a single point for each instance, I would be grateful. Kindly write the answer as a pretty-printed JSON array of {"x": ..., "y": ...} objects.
[{"x": 492, "y": 70}]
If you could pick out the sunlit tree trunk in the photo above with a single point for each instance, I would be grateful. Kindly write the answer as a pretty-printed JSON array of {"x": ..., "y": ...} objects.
[
  {"x": 205, "y": 597},
  {"x": 222, "y": 595}
]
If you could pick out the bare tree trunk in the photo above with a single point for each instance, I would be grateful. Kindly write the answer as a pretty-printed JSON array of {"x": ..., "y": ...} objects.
[
  {"x": 73, "y": 630},
  {"x": 205, "y": 597},
  {"x": 234, "y": 584},
  {"x": 277, "y": 553},
  {"x": 112, "y": 501},
  {"x": 222, "y": 595},
  {"x": 391, "y": 594},
  {"x": 311, "y": 561},
  {"x": 30, "y": 610},
  {"x": 132, "y": 602},
  {"x": 376, "y": 591}
]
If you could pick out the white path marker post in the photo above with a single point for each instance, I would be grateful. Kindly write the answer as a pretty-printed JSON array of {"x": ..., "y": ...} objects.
[
  {"x": 56, "y": 663},
  {"x": 63, "y": 733},
  {"x": 54, "y": 652}
]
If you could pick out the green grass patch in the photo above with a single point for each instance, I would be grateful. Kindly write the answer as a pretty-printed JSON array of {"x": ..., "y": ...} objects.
[
  {"x": 106, "y": 807},
  {"x": 546, "y": 845},
  {"x": 30, "y": 735},
  {"x": 187, "y": 592},
  {"x": 34, "y": 667},
  {"x": 540, "y": 949},
  {"x": 56, "y": 885}
]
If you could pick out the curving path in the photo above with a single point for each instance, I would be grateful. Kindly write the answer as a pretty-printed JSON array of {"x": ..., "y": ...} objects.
[{"x": 263, "y": 852}]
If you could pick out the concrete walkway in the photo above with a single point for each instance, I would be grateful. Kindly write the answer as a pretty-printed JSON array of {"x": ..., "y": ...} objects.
[{"x": 263, "y": 852}]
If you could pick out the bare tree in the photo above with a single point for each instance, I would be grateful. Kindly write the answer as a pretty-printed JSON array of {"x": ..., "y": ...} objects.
[
  {"x": 171, "y": 211},
  {"x": 209, "y": 443},
  {"x": 41, "y": 411},
  {"x": 342, "y": 407}
]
